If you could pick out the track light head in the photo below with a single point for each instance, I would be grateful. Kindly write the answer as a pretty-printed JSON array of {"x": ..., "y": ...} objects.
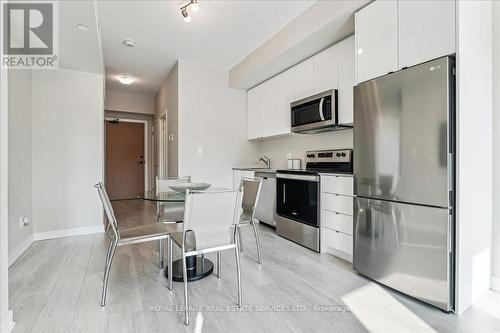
[{"x": 184, "y": 12}]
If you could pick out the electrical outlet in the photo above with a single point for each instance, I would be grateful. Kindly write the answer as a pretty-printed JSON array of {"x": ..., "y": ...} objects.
[{"x": 24, "y": 222}]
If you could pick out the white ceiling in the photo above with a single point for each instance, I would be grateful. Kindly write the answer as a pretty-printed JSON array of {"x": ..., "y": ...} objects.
[
  {"x": 79, "y": 50},
  {"x": 220, "y": 35}
]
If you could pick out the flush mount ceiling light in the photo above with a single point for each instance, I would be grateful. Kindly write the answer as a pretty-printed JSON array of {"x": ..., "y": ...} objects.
[
  {"x": 193, "y": 5},
  {"x": 82, "y": 27},
  {"x": 124, "y": 79},
  {"x": 128, "y": 43}
]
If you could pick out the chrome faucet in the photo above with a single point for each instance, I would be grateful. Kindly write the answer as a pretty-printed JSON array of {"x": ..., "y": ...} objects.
[{"x": 266, "y": 160}]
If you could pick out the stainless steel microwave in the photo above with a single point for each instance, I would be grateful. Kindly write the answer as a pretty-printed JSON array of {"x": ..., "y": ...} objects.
[{"x": 315, "y": 114}]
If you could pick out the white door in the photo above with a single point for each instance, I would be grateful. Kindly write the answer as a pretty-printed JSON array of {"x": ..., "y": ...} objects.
[
  {"x": 377, "y": 39},
  {"x": 346, "y": 80},
  {"x": 325, "y": 70},
  {"x": 426, "y": 30}
]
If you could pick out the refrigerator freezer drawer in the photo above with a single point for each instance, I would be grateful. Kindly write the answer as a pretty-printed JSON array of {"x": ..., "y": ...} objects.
[
  {"x": 405, "y": 247},
  {"x": 336, "y": 203}
]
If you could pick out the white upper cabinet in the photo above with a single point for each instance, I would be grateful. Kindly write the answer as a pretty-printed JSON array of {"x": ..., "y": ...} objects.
[
  {"x": 392, "y": 35},
  {"x": 269, "y": 107},
  {"x": 346, "y": 74},
  {"x": 377, "y": 39},
  {"x": 269, "y": 102},
  {"x": 278, "y": 116},
  {"x": 303, "y": 79},
  {"x": 326, "y": 70},
  {"x": 257, "y": 100},
  {"x": 426, "y": 30}
]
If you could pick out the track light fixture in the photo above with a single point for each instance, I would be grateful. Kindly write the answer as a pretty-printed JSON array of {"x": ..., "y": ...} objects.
[{"x": 193, "y": 4}]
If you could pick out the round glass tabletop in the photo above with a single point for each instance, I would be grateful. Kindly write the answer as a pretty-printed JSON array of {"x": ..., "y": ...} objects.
[{"x": 163, "y": 196}]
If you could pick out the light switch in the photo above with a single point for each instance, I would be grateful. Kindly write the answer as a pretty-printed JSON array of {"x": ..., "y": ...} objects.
[{"x": 199, "y": 151}]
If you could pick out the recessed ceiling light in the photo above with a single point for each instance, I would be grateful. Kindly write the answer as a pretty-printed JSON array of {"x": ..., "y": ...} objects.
[
  {"x": 124, "y": 79},
  {"x": 82, "y": 27},
  {"x": 128, "y": 43},
  {"x": 184, "y": 12}
]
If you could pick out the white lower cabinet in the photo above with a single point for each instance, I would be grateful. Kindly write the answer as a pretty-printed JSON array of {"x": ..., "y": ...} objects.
[
  {"x": 337, "y": 216},
  {"x": 337, "y": 243}
]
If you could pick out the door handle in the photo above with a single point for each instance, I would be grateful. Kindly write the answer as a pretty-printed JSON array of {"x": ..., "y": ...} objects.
[{"x": 321, "y": 115}]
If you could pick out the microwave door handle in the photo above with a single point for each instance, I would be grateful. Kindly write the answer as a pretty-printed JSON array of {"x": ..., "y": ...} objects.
[{"x": 321, "y": 115}]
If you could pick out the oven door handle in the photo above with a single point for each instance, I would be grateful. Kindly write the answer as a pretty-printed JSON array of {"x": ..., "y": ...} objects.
[
  {"x": 321, "y": 115},
  {"x": 308, "y": 178}
]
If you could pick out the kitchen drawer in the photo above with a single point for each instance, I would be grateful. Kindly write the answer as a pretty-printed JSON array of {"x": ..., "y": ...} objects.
[
  {"x": 336, "y": 221},
  {"x": 337, "y": 203},
  {"x": 336, "y": 240},
  {"x": 337, "y": 184}
]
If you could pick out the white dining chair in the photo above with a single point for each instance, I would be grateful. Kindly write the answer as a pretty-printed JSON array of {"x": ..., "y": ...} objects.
[
  {"x": 207, "y": 227},
  {"x": 251, "y": 196},
  {"x": 128, "y": 235},
  {"x": 170, "y": 211}
]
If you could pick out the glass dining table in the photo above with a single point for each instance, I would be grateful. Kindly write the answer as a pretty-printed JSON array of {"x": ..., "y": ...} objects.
[{"x": 198, "y": 267}]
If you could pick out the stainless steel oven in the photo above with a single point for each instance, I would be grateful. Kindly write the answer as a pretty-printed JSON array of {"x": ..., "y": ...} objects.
[
  {"x": 297, "y": 207},
  {"x": 298, "y": 195},
  {"x": 317, "y": 113}
]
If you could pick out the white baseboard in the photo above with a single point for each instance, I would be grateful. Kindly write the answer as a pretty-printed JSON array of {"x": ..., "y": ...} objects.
[
  {"x": 19, "y": 250},
  {"x": 8, "y": 323},
  {"x": 96, "y": 229},
  {"x": 495, "y": 283}
]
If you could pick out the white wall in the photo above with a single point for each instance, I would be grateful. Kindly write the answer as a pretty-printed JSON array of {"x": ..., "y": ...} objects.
[
  {"x": 6, "y": 320},
  {"x": 167, "y": 100},
  {"x": 129, "y": 102},
  {"x": 495, "y": 280},
  {"x": 212, "y": 117},
  {"x": 474, "y": 150},
  {"x": 297, "y": 145},
  {"x": 20, "y": 203},
  {"x": 67, "y": 150}
]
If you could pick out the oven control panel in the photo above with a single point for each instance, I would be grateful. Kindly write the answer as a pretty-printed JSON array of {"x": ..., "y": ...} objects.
[{"x": 329, "y": 156}]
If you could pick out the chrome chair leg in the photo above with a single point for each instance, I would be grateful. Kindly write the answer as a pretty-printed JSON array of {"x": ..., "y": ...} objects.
[
  {"x": 186, "y": 302},
  {"x": 108, "y": 253},
  {"x": 240, "y": 238},
  {"x": 106, "y": 274},
  {"x": 160, "y": 253},
  {"x": 170, "y": 262},
  {"x": 219, "y": 262},
  {"x": 257, "y": 240},
  {"x": 238, "y": 273}
]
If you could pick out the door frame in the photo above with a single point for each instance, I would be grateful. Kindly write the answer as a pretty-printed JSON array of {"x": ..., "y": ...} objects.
[{"x": 146, "y": 146}]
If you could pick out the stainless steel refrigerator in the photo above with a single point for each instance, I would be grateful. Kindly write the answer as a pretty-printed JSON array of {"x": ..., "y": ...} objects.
[{"x": 404, "y": 181}]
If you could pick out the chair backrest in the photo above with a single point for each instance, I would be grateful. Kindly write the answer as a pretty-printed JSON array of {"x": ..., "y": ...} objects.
[
  {"x": 211, "y": 216},
  {"x": 251, "y": 195},
  {"x": 108, "y": 210},
  {"x": 162, "y": 184}
]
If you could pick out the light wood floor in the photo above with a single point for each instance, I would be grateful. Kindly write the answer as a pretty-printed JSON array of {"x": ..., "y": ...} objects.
[{"x": 55, "y": 287}]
